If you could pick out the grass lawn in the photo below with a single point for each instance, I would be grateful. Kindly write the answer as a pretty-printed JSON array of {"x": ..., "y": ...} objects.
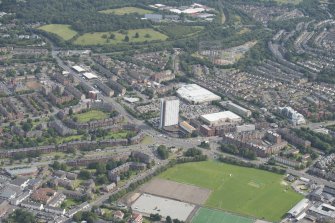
[
  {"x": 180, "y": 31},
  {"x": 69, "y": 202},
  {"x": 246, "y": 191},
  {"x": 126, "y": 10},
  {"x": 96, "y": 38},
  {"x": 147, "y": 140},
  {"x": 205, "y": 215},
  {"x": 118, "y": 135},
  {"x": 63, "y": 31},
  {"x": 91, "y": 115},
  {"x": 68, "y": 138}
]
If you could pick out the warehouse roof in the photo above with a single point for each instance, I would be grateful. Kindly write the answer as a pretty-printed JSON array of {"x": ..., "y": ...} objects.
[
  {"x": 196, "y": 94},
  {"x": 89, "y": 75},
  {"x": 78, "y": 68},
  {"x": 220, "y": 116}
]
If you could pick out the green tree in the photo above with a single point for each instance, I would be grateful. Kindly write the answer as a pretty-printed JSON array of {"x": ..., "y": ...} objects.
[
  {"x": 162, "y": 152},
  {"x": 168, "y": 219},
  {"x": 101, "y": 168},
  {"x": 85, "y": 175},
  {"x": 126, "y": 38},
  {"x": 21, "y": 216}
]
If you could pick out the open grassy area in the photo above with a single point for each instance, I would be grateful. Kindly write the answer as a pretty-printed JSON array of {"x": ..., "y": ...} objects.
[
  {"x": 246, "y": 191},
  {"x": 180, "y": 31},
  {"x": 126, "y": 10},
  {"x": 68, "y": 203},
  {"x": 103, "y": 38},
  {"x": 90, "y": 115},
  {"x": 68, "y": 138},
  {"x": 118, "y": 135},
  {"x": 205, "y": 215},
  {"x": 63, "y": 31}
]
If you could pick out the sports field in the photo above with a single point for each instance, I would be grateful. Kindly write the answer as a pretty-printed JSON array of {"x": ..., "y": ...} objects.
[
  {"x": 63, "y": 31},
  {"x": 104, "y": 38},
  {"x": 236, "y": 189},
  {"x": 205, "y": 215},
  {"x": 126, "y": 10},
  {"x": 90, "y": 115}
]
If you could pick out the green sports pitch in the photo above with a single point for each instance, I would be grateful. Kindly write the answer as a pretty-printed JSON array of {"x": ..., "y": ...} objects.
[
  {"x": 205, "y": 215},
  {"x": 246, "y": 191}
]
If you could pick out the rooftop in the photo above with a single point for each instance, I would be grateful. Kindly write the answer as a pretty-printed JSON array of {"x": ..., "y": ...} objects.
[
  {"x": 226, "y": 115},
  {"x": 89, "y": 75},
  {"x": 196, "y": 94},
  {"x": 78, "y": 69}
]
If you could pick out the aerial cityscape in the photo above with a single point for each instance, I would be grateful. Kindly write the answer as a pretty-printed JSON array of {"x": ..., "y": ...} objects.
[{"x": 171, "y": 111}]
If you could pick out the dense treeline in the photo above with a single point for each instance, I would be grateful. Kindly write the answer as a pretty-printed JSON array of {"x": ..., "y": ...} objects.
[
  {"x": 234, "y": 161},
  {"x": 312, "y": 9},
  {"x": 82, "y": 15},
  {"x": 324, "y": 142},
  {"x": 20, "y": 216},
  {"x": 243, "y": 152}
]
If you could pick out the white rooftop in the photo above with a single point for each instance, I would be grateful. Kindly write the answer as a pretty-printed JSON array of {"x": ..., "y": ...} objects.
[
  {"x": 214, "y": 117},
  {"x": 131, "y": 100},
  {"x": 89, "y": 75},
  {"x": 78, "y": 68},
  {"x": 196, "y": 94},
  {"x": 149, "y": 204}
]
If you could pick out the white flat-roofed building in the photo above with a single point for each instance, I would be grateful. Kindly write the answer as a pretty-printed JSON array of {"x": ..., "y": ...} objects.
[
  {"x": 90, "y": 76},
  {"x": 131, "y": 100},
  {"x": 237, "y": 109},
  {"x": 148, "y": 204},
  {"x": 78, "y": 69},
  {"x": 221, "y": 118},
  {"x": 195, "y": 94},
  {"x": 169, "y": 112},
  {"x": 298, "y": 208},
  {"x": 193, "y": 10}
]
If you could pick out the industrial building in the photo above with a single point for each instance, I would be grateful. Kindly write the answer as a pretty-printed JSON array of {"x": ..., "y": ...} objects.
[
  {"x": 221, "y": 118},
  {"x": 78, "y": 69},
  {"x": 236, "y": 108},
  {"x": 298, "y": 208},
  {"x": 195, "y": 94},
  {"x": 169, "y": 112},
  {"x": 90, "y": 76}
]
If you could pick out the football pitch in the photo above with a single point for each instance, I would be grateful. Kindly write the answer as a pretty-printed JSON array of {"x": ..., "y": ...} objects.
[
  {"x": 247, "y": 191},
  {"x": 205, "y": 215}
]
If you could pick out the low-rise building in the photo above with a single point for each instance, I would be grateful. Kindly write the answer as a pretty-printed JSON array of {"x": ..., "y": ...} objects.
[
  {"x": 187, "y": 127},
  {"x": 221, "y": 118},
  {"x": 32, "y": 205},
  {"x": 82, "y": 207},
  {"x": 109, "y": 187},
  {"x": 43, "y": 195},
  {"x": 118, "y": 215},
  {"x": 236, "y": 108},
  {"x": 54, "y": 210}
]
